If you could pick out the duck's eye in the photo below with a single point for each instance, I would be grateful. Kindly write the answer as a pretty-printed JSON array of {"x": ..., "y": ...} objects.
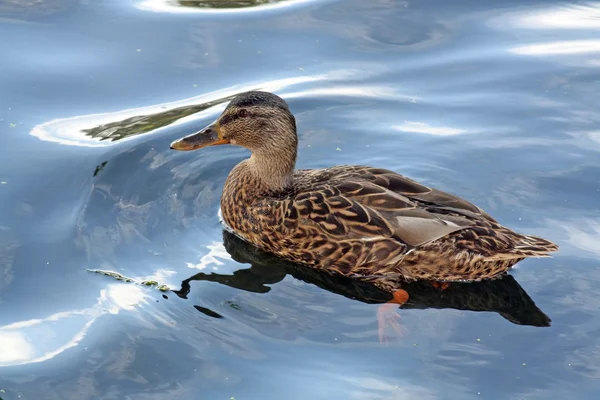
[{"x": 243, "y": 113}]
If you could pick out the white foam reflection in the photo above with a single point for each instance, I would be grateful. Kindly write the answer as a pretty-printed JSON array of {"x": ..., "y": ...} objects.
[
  {"x": 583, "y": 139},
  {"x": 14, "y": 348},
  {"x": 584, "y": 235},
  {"x": 558, "y": 48},
  {"x": 371, "y": 388},
  {"x": 38, "y": 340},
  {"x": 563, "y": 17},
  {"x": 216, "y": 253},
  {"x": 68, "y": 131},
  {"x": 422, "y": 127},
  {"x": 160, "y": 275},
  {"x": 379, "y": 92}
]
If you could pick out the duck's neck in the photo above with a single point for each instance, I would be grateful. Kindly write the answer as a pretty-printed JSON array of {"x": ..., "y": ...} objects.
[
  {"x": 258, "y": 176},
  {"x": 249, "y": 181},
  {"x": 274, "y": 170}
]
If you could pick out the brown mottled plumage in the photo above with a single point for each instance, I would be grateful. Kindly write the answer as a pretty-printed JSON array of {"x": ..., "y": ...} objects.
[{"x": 353, "y": 220}]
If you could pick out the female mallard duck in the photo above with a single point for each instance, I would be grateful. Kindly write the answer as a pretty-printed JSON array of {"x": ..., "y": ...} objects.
[{"x": 353, "y": 220}]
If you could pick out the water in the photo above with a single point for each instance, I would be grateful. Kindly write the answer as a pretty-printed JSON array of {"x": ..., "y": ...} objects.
[{"x": 493, "y": 101}]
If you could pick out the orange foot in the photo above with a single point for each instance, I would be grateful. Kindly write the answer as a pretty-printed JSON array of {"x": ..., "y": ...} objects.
[
  {"x": 440, "y": 285},
  {"x": 388, "y": 318}
]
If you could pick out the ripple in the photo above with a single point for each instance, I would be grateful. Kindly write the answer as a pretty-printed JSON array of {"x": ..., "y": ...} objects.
[
  {"x": 38, "y": 340},
  {"x": 98, "y": 130}
]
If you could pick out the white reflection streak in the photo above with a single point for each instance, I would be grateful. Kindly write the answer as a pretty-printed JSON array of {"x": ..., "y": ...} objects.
[
  {"x": 216, "y": 250},
  {"x": 160, "y": 275},
  {"x": 363, "y": 388},
  {"x": 68, "y": 130},
  {"x": 378, "y": 92},
  {"x": 421, "y": 127},
  {"x": 588, "y": 238},
  {"x": 163, "y": 6},
  {"x": 557, "y": 48},
  {"x": 112, "y": 300},
  {"x": 573, "y": 17},
  {"x": 24, "y": 353}
]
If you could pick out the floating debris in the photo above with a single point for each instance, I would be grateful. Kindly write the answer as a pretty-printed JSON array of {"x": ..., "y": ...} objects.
[
  {"x": 112, "y": 274},
  {"x": 233, "y": 305},
  {"x": 119, "y": 277}
]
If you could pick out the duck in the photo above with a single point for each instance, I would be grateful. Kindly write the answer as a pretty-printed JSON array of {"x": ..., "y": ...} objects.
[{"x": 352, "y": 220}]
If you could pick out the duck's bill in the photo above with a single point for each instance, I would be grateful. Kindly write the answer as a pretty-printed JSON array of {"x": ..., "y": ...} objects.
[{"x": 209, "y": 136}]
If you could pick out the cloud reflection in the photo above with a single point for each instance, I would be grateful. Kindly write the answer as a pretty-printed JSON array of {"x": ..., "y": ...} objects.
[
  {"x": 14, "y": 348},
  {"x": 38, "y": 340},
  {"x": 584, "y": 235},
  {"x": 216, "y": 251},
  {"x": 559, "y": 48},
  {"x": 379, "y": 92},
  {"x": 422, "y": 127},
  {"x": 563, "y": 17},
  {"x": 371, "y": 388}
]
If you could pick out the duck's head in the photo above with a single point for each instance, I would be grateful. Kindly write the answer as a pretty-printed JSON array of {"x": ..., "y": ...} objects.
[{"x": 259, "y": 121}]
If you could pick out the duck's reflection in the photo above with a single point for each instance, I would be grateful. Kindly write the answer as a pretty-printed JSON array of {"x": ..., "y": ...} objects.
[
  {"x": 223, "y": 3},
  {"x": 503, "y": 296},
  {"x": 140, "y": 124}
]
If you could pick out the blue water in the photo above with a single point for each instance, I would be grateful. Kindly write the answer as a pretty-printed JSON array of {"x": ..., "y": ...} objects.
[{"x": 494, "y": 101}]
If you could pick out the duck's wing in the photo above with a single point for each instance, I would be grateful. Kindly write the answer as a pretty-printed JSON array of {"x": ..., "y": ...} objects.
[
  {"x": 369, "y": 203},
  {"x": 433, "y": 199}
]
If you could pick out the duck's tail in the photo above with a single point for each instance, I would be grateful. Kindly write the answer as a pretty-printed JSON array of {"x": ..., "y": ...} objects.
[
  {"x": 473, "y": 254},
  {"x": 534, "y": 246},
  {"x": 525, "y": 246},
  {"x": 495, "y": 254}
]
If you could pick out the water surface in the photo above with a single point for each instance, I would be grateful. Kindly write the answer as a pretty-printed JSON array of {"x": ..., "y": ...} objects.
[{"x": 493, "y": 101}]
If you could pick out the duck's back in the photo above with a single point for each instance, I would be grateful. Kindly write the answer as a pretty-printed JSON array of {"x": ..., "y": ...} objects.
[{"x": 363, "y": 220}]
